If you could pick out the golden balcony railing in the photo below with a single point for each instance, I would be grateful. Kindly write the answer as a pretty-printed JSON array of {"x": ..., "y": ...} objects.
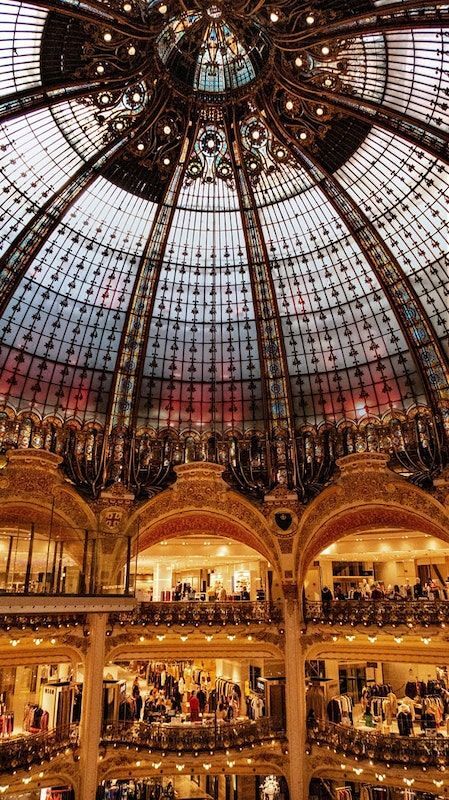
[
  {"x": 421, "y": 750},
  {"x": 198, "y": 613},
  {"x": 192, "y": 738},
  {"x": 21, "y": 752},
  {"x": 379, "y": 613}
]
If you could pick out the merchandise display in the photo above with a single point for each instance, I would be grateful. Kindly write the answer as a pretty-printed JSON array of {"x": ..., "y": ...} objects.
[{"x": 181, "y": 693}]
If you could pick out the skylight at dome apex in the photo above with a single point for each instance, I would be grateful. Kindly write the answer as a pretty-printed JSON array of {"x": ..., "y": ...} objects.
[{"x": 224, "y": 216}]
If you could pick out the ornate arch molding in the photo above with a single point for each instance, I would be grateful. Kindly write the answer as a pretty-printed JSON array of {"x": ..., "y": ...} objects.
[
  {"x": 364, "y": 495},
  {"x": 323, "y": 646},
  {"x": 30, "y": 654},
  {"x": 32, "y": 487},
  {"x": 200, "y": 502},
  {"x": 267, "y": 760},
  {"x": 324, "y": 763}
]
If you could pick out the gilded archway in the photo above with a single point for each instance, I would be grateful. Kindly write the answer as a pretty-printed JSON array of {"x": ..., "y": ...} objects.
[
  {"x": 200, "y": 502},
  {"x": 366, "y": 495}
]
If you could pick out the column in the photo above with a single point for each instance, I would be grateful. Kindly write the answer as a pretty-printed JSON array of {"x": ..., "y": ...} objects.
[
  {"x": 92, "y": 709},
  {"x": 295, "y": 694}
]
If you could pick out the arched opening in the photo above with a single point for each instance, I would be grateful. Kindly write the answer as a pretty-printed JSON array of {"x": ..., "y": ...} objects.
[
  {"x": 204, "y": 568},
  {"x": 381, "y": 563}
]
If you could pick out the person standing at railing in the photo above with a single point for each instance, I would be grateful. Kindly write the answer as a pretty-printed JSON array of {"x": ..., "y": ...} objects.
[
  {"x": 326, "y": 598},
  {"x": 222, "y": 596}
]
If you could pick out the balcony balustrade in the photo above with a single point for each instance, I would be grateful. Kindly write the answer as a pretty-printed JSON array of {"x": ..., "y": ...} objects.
[
  {"x": 379, "y": 612},
  {"x": 144, "y": 462},
  {"x": 20, "y": 752},
  {"x": 423, "y": 750},
  {"x": 198, "y": 613},
  {"x": 188, "y": 738}
]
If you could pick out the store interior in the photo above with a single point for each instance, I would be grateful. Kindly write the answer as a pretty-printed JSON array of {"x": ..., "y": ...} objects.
[
  {"x": 373, "y": 696},
  {"x": 205, "y": 569},
  {"x": 195, "y": 787},
  {"x": 193, "y": 691},
  {"x": 51, "y": 563},
  {"x": 352, "y": 790},
  {"x": 383, "y": 560},
  {"x": 37, "y": 698}
]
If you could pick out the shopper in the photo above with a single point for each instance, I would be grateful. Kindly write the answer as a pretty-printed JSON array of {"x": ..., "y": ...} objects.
[
  {"x": 137, "y": 697},
  {"x": 194, "y": 708},
  {"x": 202, "y": 700},
  {"x": 418, "y": 591},
  {"x": 326, "y": 598}
]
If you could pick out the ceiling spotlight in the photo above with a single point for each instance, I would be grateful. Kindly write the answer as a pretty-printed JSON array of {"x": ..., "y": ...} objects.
[
  {"x": 325, "y": 50},
  {"x": 140, "y": 146},
  {"x": 328, "y": 82},
  {"x": 100, "y": 69},
  {"x": 136, "y": 97},
  {"x": 162, "y": 8},
  {"x": 119, "y": 125},
  {"x": 310, "y": 19},
  {"x": 320, "y": 111},
  {"x": 131, "y": 50},
  {"x": 167, "y": 130},
  {"x": 274, "y": 16},
  {"x": 255, "y": 135},
  {"x": 166, "y": 162},
  {"x": 299, "y": 61},
  {"x": 303, "y": 135},
  {"x": 289, "y": 105},
  {"x": 127, "y": 7},
  {"x": 104, "y": 99},
  {"x": 107, "y": 36}
]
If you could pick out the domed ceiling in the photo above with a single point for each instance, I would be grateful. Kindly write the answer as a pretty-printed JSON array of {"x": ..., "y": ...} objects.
[{"x": 224, "y": 218}]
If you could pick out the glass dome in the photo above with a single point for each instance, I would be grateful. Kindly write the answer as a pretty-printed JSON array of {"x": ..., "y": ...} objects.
[
  {"x": 207, "y": 54},
  {"x": 226, "y": 218}
]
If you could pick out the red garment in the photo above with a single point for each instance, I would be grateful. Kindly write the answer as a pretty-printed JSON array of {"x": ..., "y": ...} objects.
[{"x": 194, "y": 709}]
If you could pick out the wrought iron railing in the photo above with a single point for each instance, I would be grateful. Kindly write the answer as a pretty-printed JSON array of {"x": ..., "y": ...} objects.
[
  {"x": 431, "y": 751},
  {"x": 22, "y": 751},
  {"x": 378, "y": 612},
  {"x": 252, "y": 462},
  {"x": 192, "y": 738},
  {"x": 199, "y": 613}
]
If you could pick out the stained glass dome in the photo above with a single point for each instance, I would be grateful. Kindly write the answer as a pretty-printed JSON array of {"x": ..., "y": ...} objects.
[{"x": 224, "y": 220}]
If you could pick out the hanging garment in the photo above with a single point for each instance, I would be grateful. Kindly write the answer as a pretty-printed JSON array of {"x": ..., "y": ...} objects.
[{"x": 315, "y": 701}]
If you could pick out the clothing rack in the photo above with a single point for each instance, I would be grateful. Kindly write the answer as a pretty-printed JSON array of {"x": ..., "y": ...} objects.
[
  {"x": 6, "y": 723},
  {"x": 339, "y": 709},
  {"x": 35, "y": 718}
]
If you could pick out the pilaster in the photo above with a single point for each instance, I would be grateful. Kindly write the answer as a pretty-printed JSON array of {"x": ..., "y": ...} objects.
[
  {"x": 295, "y": 693},
  {"x": 92, "y": 709}
]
